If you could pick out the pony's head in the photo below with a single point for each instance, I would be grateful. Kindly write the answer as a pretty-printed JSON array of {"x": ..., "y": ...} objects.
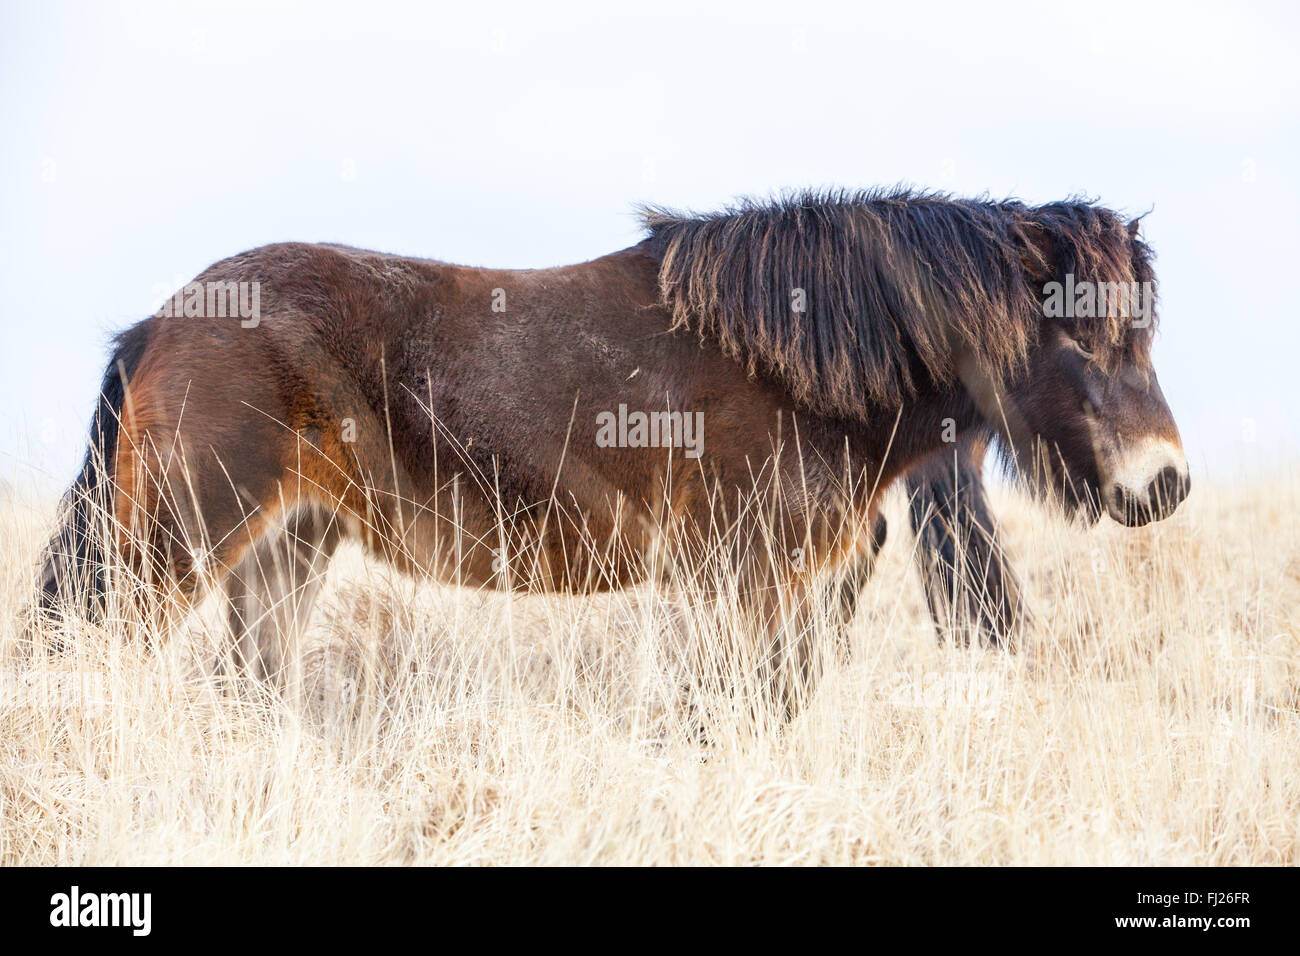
[{"x": 1084, "y": 415}]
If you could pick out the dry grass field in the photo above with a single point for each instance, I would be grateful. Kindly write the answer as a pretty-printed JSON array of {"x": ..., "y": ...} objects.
[{"x": 1152, "y": 717}]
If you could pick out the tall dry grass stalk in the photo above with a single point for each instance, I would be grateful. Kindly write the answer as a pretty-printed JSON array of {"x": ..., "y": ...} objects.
[{"x": 1152, "y": 716}]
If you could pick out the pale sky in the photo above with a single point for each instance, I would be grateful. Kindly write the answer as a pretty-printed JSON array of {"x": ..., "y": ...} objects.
[{"x": 139, "y": 143}]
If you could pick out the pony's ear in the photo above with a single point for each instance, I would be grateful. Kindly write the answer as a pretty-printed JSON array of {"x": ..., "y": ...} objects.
[
  {"x": 1133, "y": 226},
  {"x": 1037, "y": 250}
]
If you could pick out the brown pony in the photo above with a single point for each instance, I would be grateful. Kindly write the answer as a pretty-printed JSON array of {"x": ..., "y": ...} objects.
[{"x": 742, "y": 384}]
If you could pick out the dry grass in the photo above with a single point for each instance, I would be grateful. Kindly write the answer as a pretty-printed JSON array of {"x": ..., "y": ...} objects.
[{"x": 1152, "y": 718}]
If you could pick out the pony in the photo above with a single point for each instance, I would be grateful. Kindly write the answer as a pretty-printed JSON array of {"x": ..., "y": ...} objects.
[{"x": 738, "y": 387}]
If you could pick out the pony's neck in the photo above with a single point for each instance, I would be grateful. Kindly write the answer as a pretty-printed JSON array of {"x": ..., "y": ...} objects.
[
  {"x": 929, "y": 422},
  {"x": 887, "y": 442}
]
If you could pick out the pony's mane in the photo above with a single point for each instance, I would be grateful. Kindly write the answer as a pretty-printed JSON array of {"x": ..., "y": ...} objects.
[{"x": 891, "y": 283}]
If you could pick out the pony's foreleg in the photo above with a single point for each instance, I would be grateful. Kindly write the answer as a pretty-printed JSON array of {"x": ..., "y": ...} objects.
[
  {"x": 842, "y": 599},
  {"x": 968, "y": 581},
  {"x": 794, "y": 658}
]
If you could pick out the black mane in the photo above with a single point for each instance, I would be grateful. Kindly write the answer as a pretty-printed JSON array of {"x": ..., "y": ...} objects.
[{"x": 892, "y": 281}]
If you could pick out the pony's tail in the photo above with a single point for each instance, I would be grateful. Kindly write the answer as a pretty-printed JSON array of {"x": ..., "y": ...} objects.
[{"x": 74, "y": 576}]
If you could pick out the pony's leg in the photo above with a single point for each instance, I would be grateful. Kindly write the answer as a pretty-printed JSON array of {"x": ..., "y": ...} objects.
[
  {"x": 162, "y": 542},
  {"x": 796, "y": 667},
  {"x": 843, "y": 598},
  {"x": 763, "y": 662},
  {"x": 791, "y": 656},
  {"x": 271, "y": 592},
  {"x": 963, "y": 565},
  {"x": 968, "y": 581}
]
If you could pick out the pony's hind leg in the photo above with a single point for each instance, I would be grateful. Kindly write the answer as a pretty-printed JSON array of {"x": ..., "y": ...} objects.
[{"x": 271, "y": 591}]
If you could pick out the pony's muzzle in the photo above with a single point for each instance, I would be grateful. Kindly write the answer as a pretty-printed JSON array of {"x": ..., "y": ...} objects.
[{"x": 1151, "y": 491}]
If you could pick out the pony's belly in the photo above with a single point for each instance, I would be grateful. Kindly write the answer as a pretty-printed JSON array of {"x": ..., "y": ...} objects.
[{"x": 479, "y": 548}]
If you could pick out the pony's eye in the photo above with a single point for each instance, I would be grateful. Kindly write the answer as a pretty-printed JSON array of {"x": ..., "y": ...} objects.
[{"x": 1081, "y": 349}]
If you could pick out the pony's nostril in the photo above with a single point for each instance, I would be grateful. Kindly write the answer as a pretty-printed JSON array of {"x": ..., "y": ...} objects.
[
  {"x": 1166, "y": 491},
  {"x": 1155, "y": 502}
]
